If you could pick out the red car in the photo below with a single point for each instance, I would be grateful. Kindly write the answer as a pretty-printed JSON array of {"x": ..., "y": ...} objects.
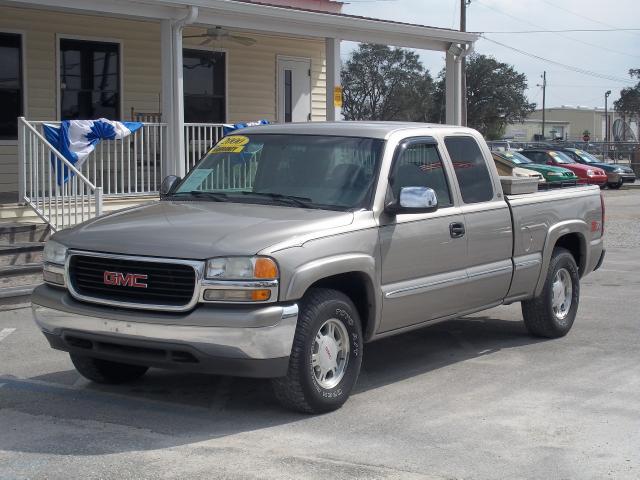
[{"x": 587, "y": 175}]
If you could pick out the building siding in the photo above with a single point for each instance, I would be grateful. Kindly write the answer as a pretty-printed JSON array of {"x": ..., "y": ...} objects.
[{"x": 251, "y": 71}]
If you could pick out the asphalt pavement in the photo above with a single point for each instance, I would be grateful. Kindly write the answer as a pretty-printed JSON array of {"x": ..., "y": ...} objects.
[{"x": 474, "y": 398}]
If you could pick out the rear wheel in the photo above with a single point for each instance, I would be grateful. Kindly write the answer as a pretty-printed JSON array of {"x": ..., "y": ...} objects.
[
  {"x": 552, "y": 313},
  {"x": 105, "y": 371},
  {"x": 326, "y": 354}
]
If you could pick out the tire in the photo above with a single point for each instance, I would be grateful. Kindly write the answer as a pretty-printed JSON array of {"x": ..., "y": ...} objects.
[
  {"x": 304, "y": 389},
  {"x": 616, "y": 186},
  {"x": 105, "y": 371},
  {"x": 540, "y": 317}
]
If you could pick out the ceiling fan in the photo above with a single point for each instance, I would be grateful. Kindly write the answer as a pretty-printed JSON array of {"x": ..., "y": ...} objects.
[{"x": 220, "y": 34}]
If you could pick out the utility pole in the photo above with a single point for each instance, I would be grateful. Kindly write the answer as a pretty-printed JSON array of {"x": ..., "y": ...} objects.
[
  {"x": 544, "y": 93},
  {"x": 463, "y": 64},
  {"x": 606, "y": 125}
]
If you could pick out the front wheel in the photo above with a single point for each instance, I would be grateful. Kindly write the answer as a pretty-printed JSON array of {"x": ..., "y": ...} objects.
[
  {"x": 326, "y": 354},
  {"x": 552, "y": 313},
  {"x": 616, "y": 186}
]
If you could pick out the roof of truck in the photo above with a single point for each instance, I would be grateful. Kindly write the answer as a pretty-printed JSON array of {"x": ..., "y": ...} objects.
[{"x": 365, "y": 129}]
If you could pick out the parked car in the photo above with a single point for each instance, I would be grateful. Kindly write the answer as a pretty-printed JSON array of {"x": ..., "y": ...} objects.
[
  {"x": 288, "y": 247},
  {"x": 617, "y": 174},
  {"x": 554, "y": 176},
  {"x": 551, "y": 156},
  {"x": 510, "y": 170}
]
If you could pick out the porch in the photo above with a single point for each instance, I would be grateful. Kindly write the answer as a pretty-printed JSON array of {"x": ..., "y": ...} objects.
[{"x": 152, "y": 46}]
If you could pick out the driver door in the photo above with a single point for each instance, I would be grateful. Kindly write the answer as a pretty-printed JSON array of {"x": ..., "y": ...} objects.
[{"x": 423, "y": 255}]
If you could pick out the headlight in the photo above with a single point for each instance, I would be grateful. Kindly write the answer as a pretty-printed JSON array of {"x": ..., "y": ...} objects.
[
  {"x": 242, "y": 268},
  {"x": 618, "y": 170},
  {"x": 55, "y": 252},
  {"x": 590, "y": 173}
]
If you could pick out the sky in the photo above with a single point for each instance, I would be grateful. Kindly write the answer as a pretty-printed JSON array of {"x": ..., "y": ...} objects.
[{"x": 608, "y": 53}]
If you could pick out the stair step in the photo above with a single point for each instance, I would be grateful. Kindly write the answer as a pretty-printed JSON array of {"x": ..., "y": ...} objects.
[
  {"x": 20, "y": 275},
  {"x": 12, "y": 232},
  {"x": 16, "y": 292},
  {"x": 21, "y": 253}
]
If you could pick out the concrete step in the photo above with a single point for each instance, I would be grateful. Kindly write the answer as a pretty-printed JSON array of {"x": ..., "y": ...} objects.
[
  {"x": 21, "y": 253},
  {"x": 16, "y": 297},
  {"x": 20, "y": 275},
  {"x": 12, "y": 232}
]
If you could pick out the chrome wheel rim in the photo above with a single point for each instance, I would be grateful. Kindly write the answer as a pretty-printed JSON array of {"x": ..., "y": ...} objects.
[
  {"x": 562, "y": 291},
  {"x": 330, "y": 353}
]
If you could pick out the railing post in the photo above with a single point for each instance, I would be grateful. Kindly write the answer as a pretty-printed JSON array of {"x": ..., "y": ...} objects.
[
  {"x": 98, "y": 196},
  {"x": 22, "y": 176}
]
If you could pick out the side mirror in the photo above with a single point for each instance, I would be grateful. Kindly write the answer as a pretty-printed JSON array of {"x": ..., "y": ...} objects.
[
  {"x": 168, "y": 184},
  {"x": 414, "y": 200}
]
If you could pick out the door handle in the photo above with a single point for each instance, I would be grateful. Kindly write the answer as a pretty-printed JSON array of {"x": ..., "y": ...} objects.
[{"x": 456, "y": 229}]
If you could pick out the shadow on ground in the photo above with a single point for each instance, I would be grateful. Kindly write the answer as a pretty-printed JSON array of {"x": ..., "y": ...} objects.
[{"x": 186, "y": 408}]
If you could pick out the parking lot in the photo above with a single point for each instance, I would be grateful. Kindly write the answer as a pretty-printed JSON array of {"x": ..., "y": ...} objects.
[{"x": 474, "y": 398}]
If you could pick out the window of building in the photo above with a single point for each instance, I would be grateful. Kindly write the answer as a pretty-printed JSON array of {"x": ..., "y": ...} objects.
[
  {"x": 11, "y": 94},
  {"x": 419, "y": 165},
  {"x": 470, "y": 168},
  {"x": 204, "y": 77},
  {"x": 89, "y": 80}
]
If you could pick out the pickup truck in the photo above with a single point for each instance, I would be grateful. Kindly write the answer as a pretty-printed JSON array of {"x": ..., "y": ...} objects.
[{"x": 288, "y": 247}]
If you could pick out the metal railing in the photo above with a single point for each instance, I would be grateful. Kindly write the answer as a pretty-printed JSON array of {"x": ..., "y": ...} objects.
[
  {"x": 59, "y": 204},
  {"x": 198, "y": 139}
]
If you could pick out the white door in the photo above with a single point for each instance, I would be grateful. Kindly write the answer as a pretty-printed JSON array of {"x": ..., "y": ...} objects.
[{"x": 294, "y": 90}]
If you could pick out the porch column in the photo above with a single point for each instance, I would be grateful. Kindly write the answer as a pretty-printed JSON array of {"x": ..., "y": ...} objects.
[
  {"x": 453, "y": 86},
  {"x": 334, "y": 66},
  {"x": 173, "y": 93}
]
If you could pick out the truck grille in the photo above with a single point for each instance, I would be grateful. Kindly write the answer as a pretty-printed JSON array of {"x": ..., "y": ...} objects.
[{"x": 132, "y": 281}]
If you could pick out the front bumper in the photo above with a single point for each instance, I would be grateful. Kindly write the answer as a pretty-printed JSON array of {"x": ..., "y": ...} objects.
[
  {"x": 624, "y": 177},
  {"x": 202, "y": 340}
]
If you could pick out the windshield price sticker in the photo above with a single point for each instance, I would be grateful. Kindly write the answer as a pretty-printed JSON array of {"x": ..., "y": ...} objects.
[
  {"x": 232, "y": 144},
  {"x": 553, "y": 154}
]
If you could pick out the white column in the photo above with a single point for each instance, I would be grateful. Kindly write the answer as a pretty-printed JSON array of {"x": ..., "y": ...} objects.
[
  {"x": 173, "y": 97},
  {"x": 334, "y": 66},
  {"x": 453, "y": 86}
]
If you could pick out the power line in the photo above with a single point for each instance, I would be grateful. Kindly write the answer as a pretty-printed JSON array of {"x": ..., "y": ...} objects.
[
  {"x": 559, "y": 64},
  {"x": 556, "y": 33},
  {"x": 569, "y": 30},
  {"x": 583, "y": 16}
]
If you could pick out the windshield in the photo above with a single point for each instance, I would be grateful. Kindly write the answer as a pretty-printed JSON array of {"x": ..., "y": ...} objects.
[
  {"x": 516, "y": 158},
  {"x": 311, "y": 171},
  {"x": 561, "y": 158},
  {"x": 586, "y": 157}
]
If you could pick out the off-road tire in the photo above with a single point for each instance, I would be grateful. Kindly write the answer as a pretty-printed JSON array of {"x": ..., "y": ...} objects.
[
  {"x": 538, "y": 314},
  {"x": 299, "y": 390},
  {"x": 105, "y": 371}
]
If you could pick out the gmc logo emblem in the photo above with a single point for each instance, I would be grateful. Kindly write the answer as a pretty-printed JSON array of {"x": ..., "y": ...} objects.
[{"x": 125, "y": 279}]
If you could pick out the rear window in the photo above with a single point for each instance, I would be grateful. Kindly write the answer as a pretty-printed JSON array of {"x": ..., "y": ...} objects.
[{"x": 470, "y": 168}]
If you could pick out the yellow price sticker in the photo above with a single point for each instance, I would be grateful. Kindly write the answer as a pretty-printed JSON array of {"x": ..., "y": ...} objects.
[
  {"x": 337, "y": 96},
  {"x": 232, "y": 144}
]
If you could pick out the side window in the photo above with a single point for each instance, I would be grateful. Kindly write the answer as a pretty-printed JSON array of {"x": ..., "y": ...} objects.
[
  {"x": 419, "y": 165},
  {"x": 471, "y": 169}
]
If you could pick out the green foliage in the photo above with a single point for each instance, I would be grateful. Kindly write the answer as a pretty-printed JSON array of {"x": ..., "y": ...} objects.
[
  {"x": 384, "y": 83},
  {"x": 628, "y": 104}
]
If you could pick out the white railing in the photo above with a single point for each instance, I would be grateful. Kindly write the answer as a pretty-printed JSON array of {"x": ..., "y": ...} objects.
[
  {"x": 127, "y": 167},
  {"x": 198, "y": 139},
  {"x": 59, "y": 204}
]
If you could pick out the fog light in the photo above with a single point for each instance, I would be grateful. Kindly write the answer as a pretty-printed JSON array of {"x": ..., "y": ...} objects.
[
  {"x": 53, "y": 274},
  {"x": 219, "y": 295}
]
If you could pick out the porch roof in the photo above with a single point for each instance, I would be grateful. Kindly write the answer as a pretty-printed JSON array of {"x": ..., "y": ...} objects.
[{"x": 264, "y": 17}]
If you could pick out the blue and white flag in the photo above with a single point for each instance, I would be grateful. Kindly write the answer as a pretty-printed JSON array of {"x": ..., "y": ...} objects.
[
  {"x": 228, "y": 128},
  {"x": 76, "y": 139}
]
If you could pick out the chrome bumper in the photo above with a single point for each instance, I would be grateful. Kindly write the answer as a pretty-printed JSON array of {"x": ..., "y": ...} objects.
[{"x": 209, "y": 348}]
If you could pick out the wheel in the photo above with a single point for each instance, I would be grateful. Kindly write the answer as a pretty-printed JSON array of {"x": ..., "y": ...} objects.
[
  {"x": 326, "y": 354},
  {"x": 616, "y": 186},
  {"x": 552, "y": 314},
  {"x": 105, "y": 371}
]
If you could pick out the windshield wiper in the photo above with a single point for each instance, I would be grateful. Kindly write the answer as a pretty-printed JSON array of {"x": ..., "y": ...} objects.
[
  {"x": 304, "y": 202},
  {"x": 215, "y": 196}
]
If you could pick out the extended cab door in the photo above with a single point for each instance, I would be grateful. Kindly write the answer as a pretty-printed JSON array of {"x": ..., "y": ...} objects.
[
  {"x": 487, "y": 224},
  {"x": 423, "y": 255}
]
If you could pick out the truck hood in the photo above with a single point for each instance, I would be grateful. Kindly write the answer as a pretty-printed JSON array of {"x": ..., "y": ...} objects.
[{"x": 198, "y": 230}]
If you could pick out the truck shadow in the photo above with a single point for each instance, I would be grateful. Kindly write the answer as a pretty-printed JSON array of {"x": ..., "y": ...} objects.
[{"x": 167, "y": 409}]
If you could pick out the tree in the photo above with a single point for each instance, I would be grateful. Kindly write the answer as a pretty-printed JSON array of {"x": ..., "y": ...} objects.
[
  {"x": 628, "y": 105},
  {"x": 495, "y": 96},
  {"x": 384, "y": 83}
]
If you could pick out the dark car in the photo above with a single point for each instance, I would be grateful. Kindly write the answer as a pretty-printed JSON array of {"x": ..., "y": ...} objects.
[
  {"x": 587, "y": 175},
  {"x": 617, "y": 175}
]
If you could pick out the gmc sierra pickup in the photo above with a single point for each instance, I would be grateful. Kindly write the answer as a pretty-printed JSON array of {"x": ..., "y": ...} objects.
[{"x": 288, "y": 247}]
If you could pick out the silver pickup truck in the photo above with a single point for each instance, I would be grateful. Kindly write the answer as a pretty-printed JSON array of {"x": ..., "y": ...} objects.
[{"x": 288, "y": 247}]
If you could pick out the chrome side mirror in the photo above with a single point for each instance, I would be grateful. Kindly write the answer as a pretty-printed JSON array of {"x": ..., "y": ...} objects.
[
  {"x": 414, "y": 200},
  {"x": 168, "y": 184}
]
